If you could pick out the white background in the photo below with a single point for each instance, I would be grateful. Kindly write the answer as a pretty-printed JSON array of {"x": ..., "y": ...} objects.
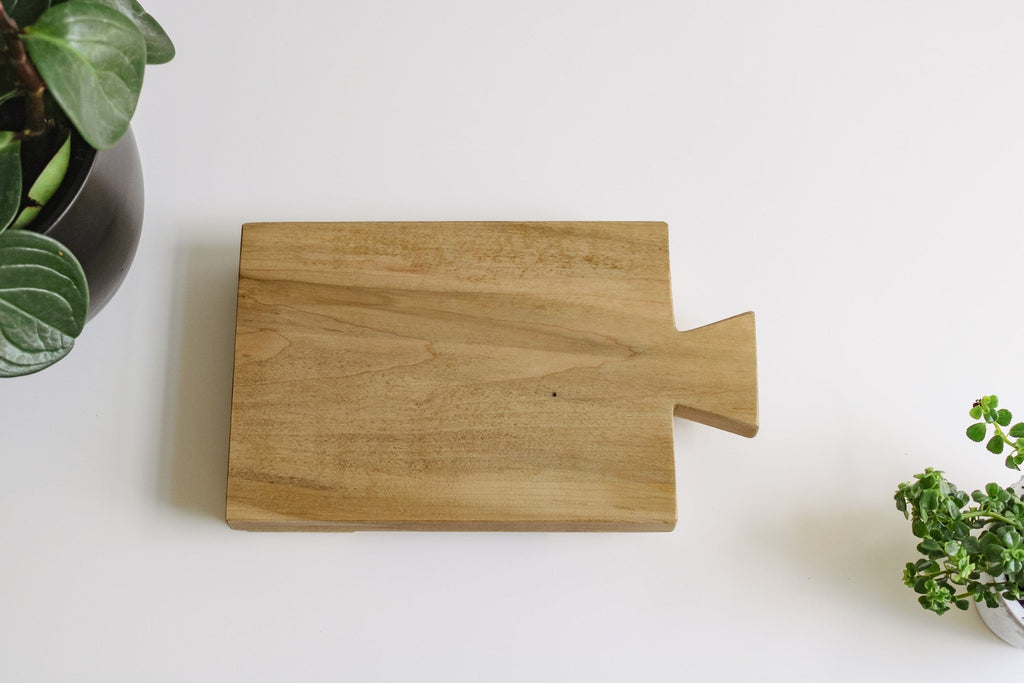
[{"x": 851, "y": 171}]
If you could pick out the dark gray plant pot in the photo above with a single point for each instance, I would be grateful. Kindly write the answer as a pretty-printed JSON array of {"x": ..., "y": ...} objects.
[{"x": 97, "y": 214}]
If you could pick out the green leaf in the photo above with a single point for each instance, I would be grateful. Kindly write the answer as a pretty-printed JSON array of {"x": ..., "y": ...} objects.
[
  {"x": 976, "y": 412},
  {"x": 995, "y": 444},
  {"x": 10, "y": 178},
  {"x": 46, "y": 184},
  {"x": 159, "y": 48},
  {"x": 1004, "y": 417},
  {"x": 919, "y": 528},
  {"x": 1017, "y": 430},
  {"x": 25, "y": 12},
  {"x": 44, "y": 298},
  {"x": 92, "y": 58},
  {"x": 976, "y": 432},
  {"x": 930, "y": 478}
]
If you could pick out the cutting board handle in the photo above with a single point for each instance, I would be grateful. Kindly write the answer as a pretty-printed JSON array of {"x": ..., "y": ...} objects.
[{"x": 719, "y": 365}]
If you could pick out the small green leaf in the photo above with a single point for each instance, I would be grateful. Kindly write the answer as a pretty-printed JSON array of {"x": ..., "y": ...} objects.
[
  {"x": 919, "y": 528},
  {"x": 995, "y": 444},
  {"x": 159, "y": 48},
  {"x": 976, "y": 412},
  {"x": 92, "y": 58},
  {"x": 44, "y": 298},
  {"x": 25, "y": 12},
  {"x": 901, "y": 502},
  {"x": 1017, "y": 430},
  {"x": 46, "y": 184},
  {"x": 1004, "y": 417},
  {"x": 10, "y": 178},
  {"x": 976, "y": 432},
  {"x": 909, "y": 575}
]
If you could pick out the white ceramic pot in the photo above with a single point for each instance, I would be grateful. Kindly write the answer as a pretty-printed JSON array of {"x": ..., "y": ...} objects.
[{"x": 1006, "y": 620}]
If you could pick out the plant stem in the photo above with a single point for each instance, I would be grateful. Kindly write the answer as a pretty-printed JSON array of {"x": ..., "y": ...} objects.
[
  {"x": 25, "y": 72},
  {"x": 978, "y": 513},
  {"x": 1002, "y": 435},
  {"x": 940, "y": 573}
]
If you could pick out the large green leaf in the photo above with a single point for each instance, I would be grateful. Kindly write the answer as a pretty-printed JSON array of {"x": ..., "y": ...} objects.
[
  {"x": 159, "y": 48},
  {"x": 92, "y": 58},
  {"x": 44, "y": 298},
  {"x": 10, "y": 178},
  {"x": 25, "y": 12},
  {"x": 46, "y": 184}
]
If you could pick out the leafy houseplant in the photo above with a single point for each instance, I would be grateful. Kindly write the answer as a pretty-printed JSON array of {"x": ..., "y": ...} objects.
[
  {"x": 70, "y": 74},
  {"x": 972, "y": 546}
]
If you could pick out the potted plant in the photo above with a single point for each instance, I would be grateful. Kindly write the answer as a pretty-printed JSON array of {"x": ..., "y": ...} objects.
[
  {"x": 972, "y": 546},
  {"x": 70, "y": 76}
]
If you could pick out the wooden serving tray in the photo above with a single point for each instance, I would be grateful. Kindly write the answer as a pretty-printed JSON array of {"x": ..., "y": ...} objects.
[{"x": 499, "y": 376}]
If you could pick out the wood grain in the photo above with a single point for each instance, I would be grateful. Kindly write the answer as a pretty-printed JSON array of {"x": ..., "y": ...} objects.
[{"x": 518, "y": 376}]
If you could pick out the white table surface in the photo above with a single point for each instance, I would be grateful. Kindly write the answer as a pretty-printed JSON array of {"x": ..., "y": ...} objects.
[{"x": 851, "y": 171}]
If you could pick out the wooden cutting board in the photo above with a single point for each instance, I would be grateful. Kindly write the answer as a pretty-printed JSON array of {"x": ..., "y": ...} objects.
[{"x": 470, "y": 376}]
